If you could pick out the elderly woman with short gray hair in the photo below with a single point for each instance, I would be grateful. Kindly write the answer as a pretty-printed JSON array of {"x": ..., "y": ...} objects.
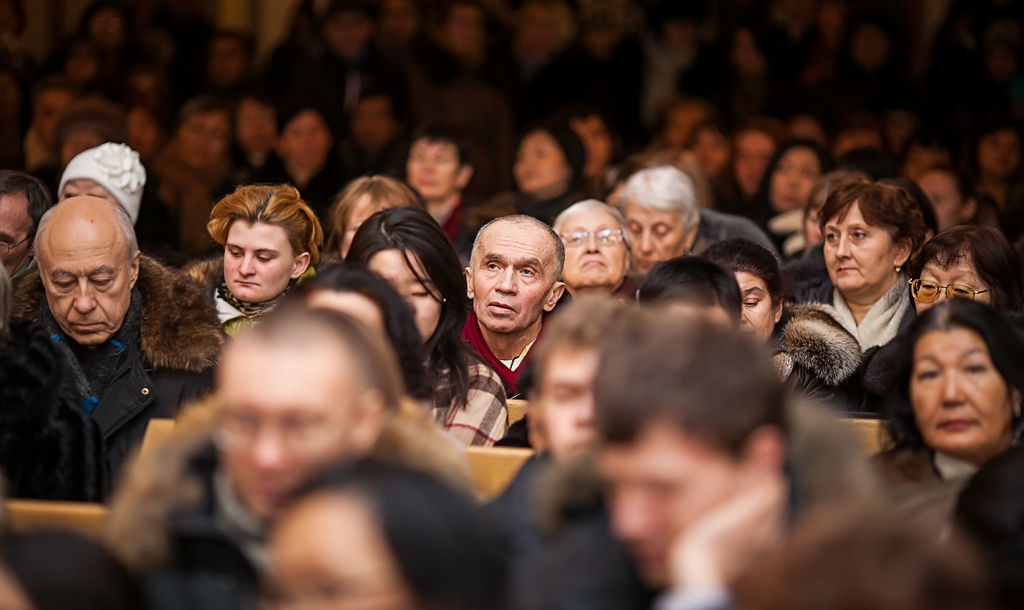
[{"x": 597, "y": 250}]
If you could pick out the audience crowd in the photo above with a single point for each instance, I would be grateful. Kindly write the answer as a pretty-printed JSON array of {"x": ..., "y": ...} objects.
[{"x": 672, "y": 254}]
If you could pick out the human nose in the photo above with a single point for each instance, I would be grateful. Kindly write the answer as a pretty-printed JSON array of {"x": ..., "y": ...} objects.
[
  {"x": 647, "y": 242},
  {"x": 592, "y": 243},
  {"x": 248, "y": 266},
  {"x": 631, "y": 517},
  {"x": 85, "y": 300},
  {"x": 952, "y": 389},
  {"x": 268, "y": 450},
  {"x": 843, "y": 247},
  {"x": 507, "y": 280}
]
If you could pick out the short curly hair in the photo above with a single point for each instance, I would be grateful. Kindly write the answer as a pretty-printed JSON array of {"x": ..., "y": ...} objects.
[{"x": 279, "y": 205}]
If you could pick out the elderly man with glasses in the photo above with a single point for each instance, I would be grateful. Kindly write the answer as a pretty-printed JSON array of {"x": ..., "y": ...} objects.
[
  {"x": 23, "y": 199},
  {"x": 597, "y": 251}
]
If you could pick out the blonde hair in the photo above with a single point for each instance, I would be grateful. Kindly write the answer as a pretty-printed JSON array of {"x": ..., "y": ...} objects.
[
  {"x": 279, "y": 205},
  {"x": 385, "y": 193}
]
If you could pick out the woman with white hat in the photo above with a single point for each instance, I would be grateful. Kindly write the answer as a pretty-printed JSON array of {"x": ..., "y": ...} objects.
[{"x": 109, "y": 171}]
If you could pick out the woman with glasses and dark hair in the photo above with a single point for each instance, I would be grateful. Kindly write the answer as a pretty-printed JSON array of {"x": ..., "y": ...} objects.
[
  {"x": 967, "y": 262},
  {"x": 407, "y": 247},
  {"x": 955, "y": 401},
  {"x": 597, "y": 250}
]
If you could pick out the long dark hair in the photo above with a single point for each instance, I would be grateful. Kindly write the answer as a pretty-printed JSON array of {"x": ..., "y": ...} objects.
[
  {"x": 415, "y": 233},
  {"x": 1005, "y": 345}
]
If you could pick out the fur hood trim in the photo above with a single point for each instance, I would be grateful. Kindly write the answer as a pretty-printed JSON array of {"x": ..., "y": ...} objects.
[
  {"x": 208, "y": 273},
  {"x": 179, "y": 328},
  {"x": 817, "y": 341}
]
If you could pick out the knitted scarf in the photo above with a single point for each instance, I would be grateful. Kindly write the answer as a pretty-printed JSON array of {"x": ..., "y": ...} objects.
[
  {"x": 471, "y": 332},
  {"x": 250, "y": 311},
  {"x": 93, "y": 368},
  {"x": 882, "y": 322}
]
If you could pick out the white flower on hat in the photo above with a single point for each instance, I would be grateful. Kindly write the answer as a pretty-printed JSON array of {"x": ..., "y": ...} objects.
[{"x": 121, "y": 165}]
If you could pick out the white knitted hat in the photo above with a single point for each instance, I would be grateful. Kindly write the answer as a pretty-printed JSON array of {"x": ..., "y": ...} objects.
[{"x": 115, "y": 167}]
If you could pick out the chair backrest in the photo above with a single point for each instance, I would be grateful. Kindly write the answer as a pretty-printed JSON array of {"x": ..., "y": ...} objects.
[
  {"x": 872, "y": 432},
  {"x": 492, "y": 468},
  {"x": 516, "y": 409},
  {"x": 32, "y": 515},
  {"x": 158, "y": 430}
]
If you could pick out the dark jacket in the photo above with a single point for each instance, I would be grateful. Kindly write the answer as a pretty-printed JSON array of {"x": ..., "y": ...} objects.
[
  {"x": 170, "y": 365},
  {"x": 815, "y": 354},
  {"x": 716, "y": 226},
  {"x": 49, "y": 448}
]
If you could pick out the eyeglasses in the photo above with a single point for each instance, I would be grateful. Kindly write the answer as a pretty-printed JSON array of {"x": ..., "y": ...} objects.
[
  {"x": 8, "y": 247},
  {"x": 298, "y": 436},
  {"x": 606, "y": 237},
  {"x": 927, "y": 291}
]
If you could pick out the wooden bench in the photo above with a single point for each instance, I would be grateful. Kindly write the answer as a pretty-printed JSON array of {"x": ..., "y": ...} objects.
[
  {"x": 516, "y": 409},
  {"x": 492, "y": 468},
  {"x": 34, "y": 515},
  {"x": 873, "y": 433}
]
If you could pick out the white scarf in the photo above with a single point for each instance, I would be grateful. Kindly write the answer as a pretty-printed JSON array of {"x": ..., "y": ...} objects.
[{"x": 882, "y": 321}]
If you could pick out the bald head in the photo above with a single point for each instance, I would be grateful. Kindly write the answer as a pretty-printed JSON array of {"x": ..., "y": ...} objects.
[
  {"x": 91, "y": 219},
  {"x": 517, "y": 224}
]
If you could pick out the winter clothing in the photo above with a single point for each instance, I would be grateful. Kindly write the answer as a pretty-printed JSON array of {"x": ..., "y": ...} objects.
[
  {"x": 882, "y": 322},
  {"x": 816, "y": 355},
  {"x": 716, "y": 226},
  {"x": 484, "y": 418},
  {"x": 474, "y": 336},
  {"x": 116, "y": 168}
]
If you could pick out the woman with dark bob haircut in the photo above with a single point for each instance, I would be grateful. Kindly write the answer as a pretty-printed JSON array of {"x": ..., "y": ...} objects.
[
  {"x": 375, "y": 535},
  {"x": 956, "y": 397},
  {"x": 968, "y": 262},
  {"x": 410, "y": 250}
]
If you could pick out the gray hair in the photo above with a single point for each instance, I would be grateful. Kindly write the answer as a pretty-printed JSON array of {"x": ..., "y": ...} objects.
[
  {"x": 594, "y": 205},
  {"x": 664, "y": 189},
  {"x": 522, "y": 219},
  {"x": 124, "y": 222},
  {"x": 5, "y": 302}
]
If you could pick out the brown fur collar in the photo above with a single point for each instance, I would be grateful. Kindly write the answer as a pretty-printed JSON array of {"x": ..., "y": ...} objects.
[
  {"x": 208, "y": 273},
  {"x": 179, "y": 328},
  {"x": 817, "y": 341}
]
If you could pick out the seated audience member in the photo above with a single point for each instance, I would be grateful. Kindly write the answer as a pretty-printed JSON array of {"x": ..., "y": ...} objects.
[
  {"x": 49, "y": 448},
  {"x": 301, "y": 391},
  {"x": 967, "y": 262},
  {"x": 955, "y": 402},
  {"x": 514, "y": 282},
  {"x": 666, "y": 221},
  {"x": 991, "y": 511},
  {"x": 397, "y": 540},
  {"x": 368, "y": 298},
  {"x": 23, "y": 200},
  {"x": 950, "y": 195},
  {"x": 408, "y": 248},
  {"x": 194, "y": 169},
  {"x": 753, "y": 146},
  {"x": 55, "y": 570},
  {"x": 596, "y": 244},
  {"x": 51, "y": 95},
  {"x": 786, "y": 185},
  {"x": 139, "y": 339},
  {"x": 694, "y": 286},
  {"x": 109, "y": 171},
  {"x": 439, "y": 170},
  {"x": 376, "y": 143},
  {"x": 812, "y": 352},
  {"x": 256, "y": 137},
  {"x": 362, "y": 198},
  {"x": 271, "y": 240},
  {"x": 84, "y": 124}
]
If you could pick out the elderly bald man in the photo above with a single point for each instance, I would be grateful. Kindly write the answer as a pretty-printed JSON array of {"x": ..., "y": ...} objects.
[{"x": 140, "y": 339}]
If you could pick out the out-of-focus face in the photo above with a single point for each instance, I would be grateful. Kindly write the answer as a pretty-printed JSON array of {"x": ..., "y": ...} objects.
[
  {"x": 541, "y": 169},
  {"x": 373, "y": 123},
  {"x": 398, "y": 21},
  {"x": 962, "y": 273},
  {"x": 12, "y": 595},
  {"x": 564, "y": 405},
  {"x": 84, "y": 187},
  {"x": 465, "y": 30},
  {"x": 745, "y": 54},
  {"x": 435, "y": 171},
  {"x": 660, "y": 484},
  {"x": 758, "y": 316},
  {"x": 656, "y": 236},
  {"x": 310, "y": 569},
  {"x": 861, "y": 258},
  {"x": 347, "y": 34},
  {"x": 962, "y": 405},
  {"x": 812, "y": 229},
  {"x": 918, "y": 159},
  {"x": 422, "y": 296},
  {"x": 363, "y": 208},
  {"x": 511, "y": 278},
  {"x": 48, "y": 108},
  {"x": 203, "y": 140},
  {"x": 227, "y": 62},
  {"x": 793, "y": 179},
  {"x": 305, "y": 141},
  {"x": 259, "y": 261},
  {"x": 145, "y": 134},
  {"x": 594, "y": 263},
  {"x": 950, "y": 207},
  {"x": 15, "y": 232},
  {"x": 255, "y": 127},
  {"x": 286, "y": 411},
  {"x": 78, "y": 141},
  {"x": 712, "y": 152},
  {"x": 999, "y": 154},
  {"x": 540, "y": 32},
  {"x": 350, "y": 303},
  {"x": 86, "y": 270},
  {"x": 107, "y": 28},
  {"x": 680, "y": 123},
  {"x": 751, "y": 155},
  {"x": 596, "y": 141}
]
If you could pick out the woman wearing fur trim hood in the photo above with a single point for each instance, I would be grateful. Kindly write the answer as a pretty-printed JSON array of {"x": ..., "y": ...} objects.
[{"x": 814, "y": 355}]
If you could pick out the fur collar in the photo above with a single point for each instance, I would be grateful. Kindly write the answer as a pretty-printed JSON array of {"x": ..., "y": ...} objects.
[
  {"x": 817, "y": 341},
  {"x": 208, "y": 273},
  {"x": 179, "y": 328}
]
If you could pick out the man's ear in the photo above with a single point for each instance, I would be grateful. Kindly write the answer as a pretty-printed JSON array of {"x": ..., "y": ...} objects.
[
  {"x": 554, "y": 295},
  {"x": 369, "y": 414},
  {"x": 133, "y": 271},
  {"x": 469, "y": 283},
  {"x": 463, "y": 177},
  {"x": 300, "y": 266}
]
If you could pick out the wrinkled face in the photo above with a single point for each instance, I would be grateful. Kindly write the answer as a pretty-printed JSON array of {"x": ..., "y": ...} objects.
[
  {"x": 657, "y": 236},
  {"x": 255, "y": 126},
  {"x": 49, "y": 106},
  {"x": 962, "y": 404},
  {"x": 85, "y": 187},
  {"x": 861, "y": 258},
  {"x": 87, "y": 274},
  {"x": 310, "y": 569},
  {"x": 593, "y": 263},
  {"x": 564, "y": 406},
  {"x": 15, "y": 232},
  {"x": 353, "y": 304},
  {"x": 753, "y": 151},
  {"x": 999, "y": 154},
  {"x": 259, "y": 261},
  {"x": 596, "y": 141},
  {"x": 422, "y": 296},
  {"x": 435, "y": 171},
  {"x": 793, "y": 179},
  {"x": 511, "y": 278},
  {"x": 949, "y": 205},
  {"x": 541, "y": 170},
  {"x": 963, "y": 273},
  {"x": 305, "y": 141},
  {"x": 286, "y": 411},
  {"x": 658, "y": 485},
  {"x": 758, "y": 316},
  {"x": 203, "y": 139}
]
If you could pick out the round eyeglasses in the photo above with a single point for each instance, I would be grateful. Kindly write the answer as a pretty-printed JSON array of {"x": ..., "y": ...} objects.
[
  {"x": 606, "y": 237},
  {"x": 927, "y": 291}
]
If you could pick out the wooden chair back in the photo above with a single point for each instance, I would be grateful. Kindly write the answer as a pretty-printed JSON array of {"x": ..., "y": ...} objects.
[
  {"x": 34, "y": 515},
  {"x": 873, "y": 433},
  {"x": 492, "y": 468},
  {"x": 516, "y": 409}
]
